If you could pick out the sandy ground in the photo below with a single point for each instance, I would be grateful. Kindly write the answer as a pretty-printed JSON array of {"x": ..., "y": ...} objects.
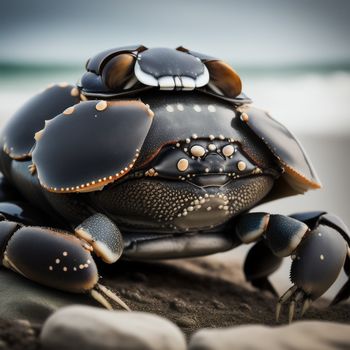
[{"x": 194, "y": 293}]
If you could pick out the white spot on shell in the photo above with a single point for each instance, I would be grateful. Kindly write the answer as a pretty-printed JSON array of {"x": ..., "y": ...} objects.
[
  {"x": 197, "y": 151},
  {"x": 74, "y": 92},
  {"x": 180, "y": 107},
  {"x": 68, "y": 110},
  {"x": 228, "y": 150},
  {"x": 321, "y": 257},
  {"x": 65, "y": 253},
  {"x": 57, "y": 261},
  {"x": 197, "y": 108},
  {"x": 101, "y": 106},
  {"x": 211, "y": 109},
  {"x": 182, "y": 164},
  {"x": 241, "y": 165},
  {"x": 50, "y": 268},
  {"x": 211, "y": 147},
  {"x": 169, "y": 108}
]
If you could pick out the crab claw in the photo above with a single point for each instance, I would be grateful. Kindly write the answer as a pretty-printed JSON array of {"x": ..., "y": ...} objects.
[
  {"x": 297, "y": 299},
  {"x": 317, "y": 263}
]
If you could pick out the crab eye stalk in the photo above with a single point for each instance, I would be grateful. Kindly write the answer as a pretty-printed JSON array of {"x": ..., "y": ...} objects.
[
  {"x": 223, "y": 79},
  {"x": 118, "y": 73},
  {"x": 197, "y": 151}
]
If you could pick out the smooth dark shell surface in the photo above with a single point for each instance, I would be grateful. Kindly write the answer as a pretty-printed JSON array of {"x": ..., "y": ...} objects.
[
  {"x": 299, "y": 172},
  {"x": 94, "y": 144},
  {"x": 17, "y": 138},
  {"x": 52, "y": 258},
  {"x": 160, "y": 62}
]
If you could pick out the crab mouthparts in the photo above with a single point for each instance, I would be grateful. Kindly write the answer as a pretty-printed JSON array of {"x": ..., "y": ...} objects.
[{"x": 207, "y": 180}]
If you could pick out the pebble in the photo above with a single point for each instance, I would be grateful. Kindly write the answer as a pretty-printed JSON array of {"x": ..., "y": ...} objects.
[
  {"x": 178, "y": 305},
  {"x": 218, "y": 305},
  {"x": 186, "y": 322},
  {"x": 85, "y": 327},
  {"x": 298, "y": 335}
]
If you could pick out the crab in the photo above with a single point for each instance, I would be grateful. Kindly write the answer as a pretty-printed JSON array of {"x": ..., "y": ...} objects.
[{"x": 156, "y": 153}]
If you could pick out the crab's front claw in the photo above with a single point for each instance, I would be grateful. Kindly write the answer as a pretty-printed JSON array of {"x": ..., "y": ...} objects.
[
  {"x": 54, "y": 259},
  {"x": 317, "y": 262}
]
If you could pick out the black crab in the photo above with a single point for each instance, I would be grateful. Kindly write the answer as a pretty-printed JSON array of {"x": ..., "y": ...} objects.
[{"x": 156, "y": 154}]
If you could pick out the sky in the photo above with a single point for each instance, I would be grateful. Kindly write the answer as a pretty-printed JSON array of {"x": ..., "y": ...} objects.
[{"x": 251, "y": 32}]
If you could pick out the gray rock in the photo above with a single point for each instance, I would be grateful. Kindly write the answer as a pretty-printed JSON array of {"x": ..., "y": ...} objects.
[
  {"x": 299, "y": 335},
  {"x": 88, "y": 328},
  {"x": 23, "y": 299}
]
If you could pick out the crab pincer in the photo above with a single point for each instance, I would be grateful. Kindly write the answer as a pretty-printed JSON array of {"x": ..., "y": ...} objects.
[{"x": 317, "y": 262}]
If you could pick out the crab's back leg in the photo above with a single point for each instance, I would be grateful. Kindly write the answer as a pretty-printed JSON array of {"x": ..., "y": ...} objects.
[{"x": 260, "y": 263}]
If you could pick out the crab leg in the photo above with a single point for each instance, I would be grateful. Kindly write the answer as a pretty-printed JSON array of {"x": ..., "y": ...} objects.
[
  {"x": 52, "y": 258},
  {"x": 317, "y": 243}
]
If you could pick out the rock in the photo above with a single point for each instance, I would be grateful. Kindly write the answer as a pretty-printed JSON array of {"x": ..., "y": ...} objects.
[
  {"x": 299, "y": 335},
  {"x": 22, "y": 299},
  {"x": 88, "y": 328},
  {"x": 178, "y": 305}
]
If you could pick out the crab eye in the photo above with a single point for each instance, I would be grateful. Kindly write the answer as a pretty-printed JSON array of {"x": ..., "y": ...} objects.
[
  {"x": 119, "y": 71},
  {"x": 197, "y": 151},
  {"x": 228, "y": 150}
]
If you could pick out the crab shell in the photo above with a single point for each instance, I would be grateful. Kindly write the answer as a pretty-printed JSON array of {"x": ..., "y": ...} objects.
[{"x": 87, "y": 144}]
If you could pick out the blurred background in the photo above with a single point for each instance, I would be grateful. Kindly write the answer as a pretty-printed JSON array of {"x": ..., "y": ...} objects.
[{"x": 293, "y": 58}]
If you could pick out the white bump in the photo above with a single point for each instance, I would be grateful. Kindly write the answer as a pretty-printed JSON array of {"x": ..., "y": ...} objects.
[
  {"x": 211, "y": 147},
  {"x": 180, "y": 107},
  {"x": 182, "y": 164},
  {"x": 101, "y": 106},
  {"x": 197, "y": 108},
  {"x": 195, "y": 136},
  {"x": 322, "y": 257},
  {"x": 211, "y": 109},
  {"x": 64, "y": 253},
  {"x": 190, "y": 208},
  {"x": 50, "y": 268},
  {"x": 211, "y": 137},
  {"x": 65, "y": 269},
  {"x": 169, "y": 108},
  {"x": 74, "y": 268},
  {"x": 206, "y": 170},
  {"x": 228, "y": 150},
  {"x": 57, "y": 261},
  {"x": 241, "y": 165},
  {"x": 197, "y": 151}
]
